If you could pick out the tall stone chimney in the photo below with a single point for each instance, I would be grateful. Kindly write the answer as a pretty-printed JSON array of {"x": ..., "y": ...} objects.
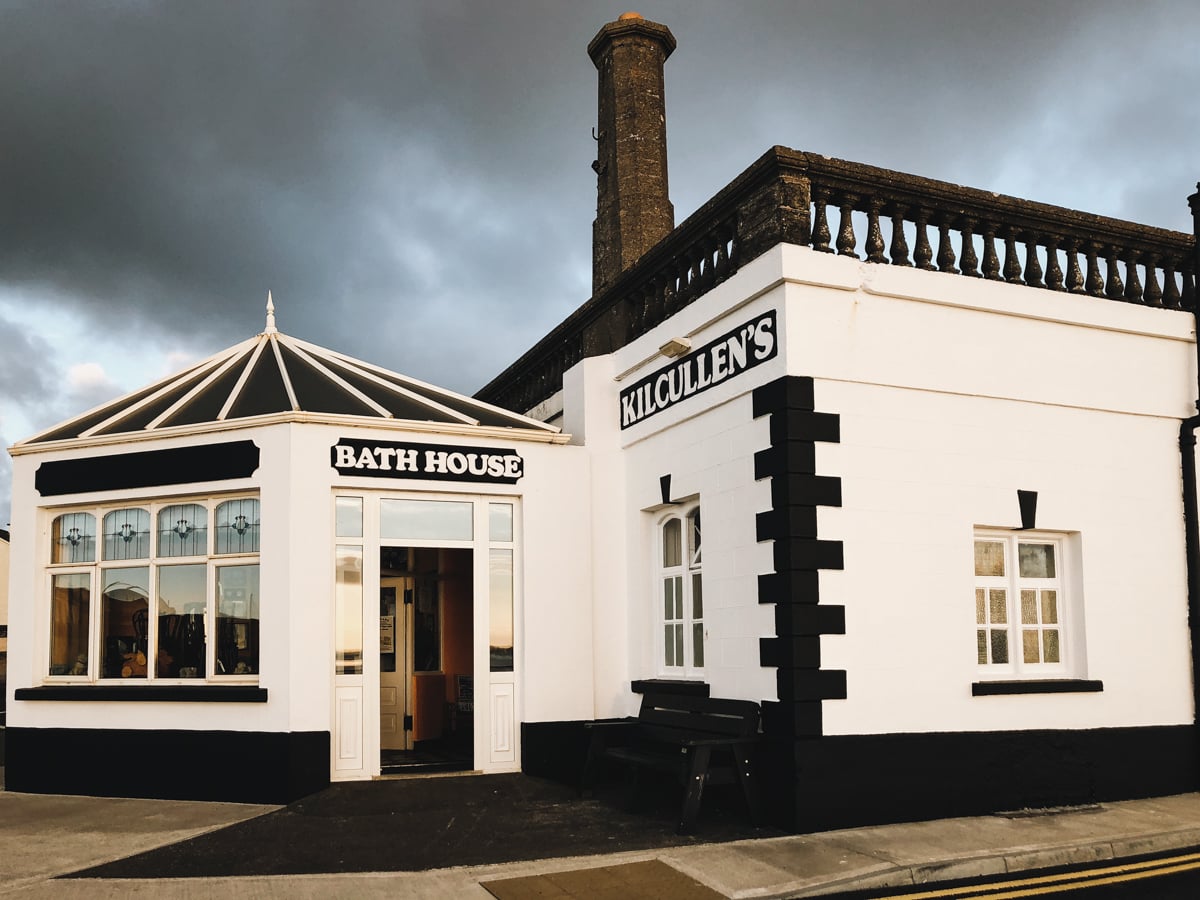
[{"x": 633, "y": 210}]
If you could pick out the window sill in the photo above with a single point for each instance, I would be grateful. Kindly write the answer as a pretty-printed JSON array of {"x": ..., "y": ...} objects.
[
  {"x": 169, "y": 693},
  {"x": 1037, "y": 686},
  {"x": 670, "y": 686}
]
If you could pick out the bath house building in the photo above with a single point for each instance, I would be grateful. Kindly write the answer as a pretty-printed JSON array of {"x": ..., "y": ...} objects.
[{"x": 909, "y": 464}]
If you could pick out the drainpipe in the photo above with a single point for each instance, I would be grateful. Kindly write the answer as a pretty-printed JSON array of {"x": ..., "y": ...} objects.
[{"x": 1191, "y": 514}]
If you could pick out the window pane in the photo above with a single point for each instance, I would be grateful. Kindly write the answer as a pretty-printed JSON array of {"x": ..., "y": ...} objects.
[
  {"x": 347, "y": 612},
  {"x": 1049, "y": 607},
  {"x": 1036, "y": 560},
  {"x": 1050, "y": 645},
  {"x": 183, "y": 530},
  {"x": 181, "y": 601},
  {"x": 980, "y": 607},
  {"x": 500, "y": 639},
  {"x": 672, "y": 534},
  {"x": 694, "y": 537},
  {"x": 981, "y": 646},
  {"x": 349, "y": 516},
  {"x": 127, "y": 534},
  {"x": 668, "y": 598},
  {"x": 989, "y": 558},
  {"x": 70, "y": 603},
  {"x": 237, "y": 526},
  {"x": 1029, "y": 608},
  {"x": 669, "y": 648},
  {"x": 73, "y": 539},
  {"x": 500, "y": 521},
  {"x": 698, "y": 645},
  {"x": 678, "y": 611},
  {"x": 426, "y": 519},
  {"x": 697, "y": 598},
  {"x": 999, "y": 646},
  {"x": 237, "y": 620},
  {"x": 124, "y": 621},
  {"x": 998, "y": 606},
  {"x": 1031, "y": 645},
  {"x": 678, "y": 644}
]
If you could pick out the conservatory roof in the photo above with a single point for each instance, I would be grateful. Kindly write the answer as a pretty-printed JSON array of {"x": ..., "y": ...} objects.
[{"x": 273, "y": 373}]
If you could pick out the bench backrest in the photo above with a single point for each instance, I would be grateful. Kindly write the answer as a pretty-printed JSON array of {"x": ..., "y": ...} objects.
[{"x": 704, "y": 715}]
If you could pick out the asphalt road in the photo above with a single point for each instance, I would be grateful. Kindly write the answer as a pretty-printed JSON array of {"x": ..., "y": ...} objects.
[{"x": 1173, "y": 876}]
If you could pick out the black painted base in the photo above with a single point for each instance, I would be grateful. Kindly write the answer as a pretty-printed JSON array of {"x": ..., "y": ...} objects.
[
  {"x": 846, "y": 781},
  {"x": 238, "y": 766},
  {"x": 554, "y": 750}
]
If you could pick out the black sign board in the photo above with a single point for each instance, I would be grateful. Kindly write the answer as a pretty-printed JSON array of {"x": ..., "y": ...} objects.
[
  {"x": 426, "y": 462},
  {"x": 715, "y": 363},
  {"x": 149, "y": 468}
]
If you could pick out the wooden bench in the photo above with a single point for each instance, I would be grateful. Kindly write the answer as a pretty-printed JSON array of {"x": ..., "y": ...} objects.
[{"x": 698, "y": 740}]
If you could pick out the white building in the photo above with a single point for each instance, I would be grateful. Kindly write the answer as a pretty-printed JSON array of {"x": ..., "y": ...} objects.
[{"x": 943, "y": 516}]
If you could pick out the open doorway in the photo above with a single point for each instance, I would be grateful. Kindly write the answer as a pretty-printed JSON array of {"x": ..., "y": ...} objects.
[{"x": 426, "y": 667}]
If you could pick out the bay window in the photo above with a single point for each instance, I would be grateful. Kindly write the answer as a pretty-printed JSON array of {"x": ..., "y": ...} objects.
[{"x": 174, "y": 600}]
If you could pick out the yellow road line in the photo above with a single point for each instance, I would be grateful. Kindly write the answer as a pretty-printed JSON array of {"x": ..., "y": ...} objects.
[
  {"x": 1092, "y": 882},
  {"x": 1192, "y": 859}
]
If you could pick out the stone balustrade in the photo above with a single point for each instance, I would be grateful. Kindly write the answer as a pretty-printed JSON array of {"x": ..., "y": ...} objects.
[{"x": 904, "y": 220}]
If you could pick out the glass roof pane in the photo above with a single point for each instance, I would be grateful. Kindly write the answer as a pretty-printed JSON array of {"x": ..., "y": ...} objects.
[
  {"x": 398, "y": 405},
  {"x": 264, "y": 391},
  {"x": 151, "y": 411},
  {"x": 464, "y": 405},
  {"x": 316, "y": 392},
  {"x": 206, "y": 406}
]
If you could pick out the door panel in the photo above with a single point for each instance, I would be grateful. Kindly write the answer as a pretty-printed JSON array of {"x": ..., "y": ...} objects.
[{"x": 394, "y": 665}]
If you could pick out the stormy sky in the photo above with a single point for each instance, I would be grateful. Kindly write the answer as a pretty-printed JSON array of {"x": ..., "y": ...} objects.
[{"x": 412, "y": 179}]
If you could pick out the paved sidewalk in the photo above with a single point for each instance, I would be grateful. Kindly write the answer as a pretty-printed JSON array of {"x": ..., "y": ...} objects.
[{"x": 44, "y": 836}]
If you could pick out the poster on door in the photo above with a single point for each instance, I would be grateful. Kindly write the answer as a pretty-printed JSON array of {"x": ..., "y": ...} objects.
[{"x": 387, "y": 634}]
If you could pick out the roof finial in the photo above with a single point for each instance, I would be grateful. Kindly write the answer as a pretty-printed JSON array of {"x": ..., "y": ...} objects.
[{"x": 270, "y": 329}]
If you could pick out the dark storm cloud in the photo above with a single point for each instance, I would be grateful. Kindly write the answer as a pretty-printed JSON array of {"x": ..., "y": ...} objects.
[{"x": 411, "y": 179}]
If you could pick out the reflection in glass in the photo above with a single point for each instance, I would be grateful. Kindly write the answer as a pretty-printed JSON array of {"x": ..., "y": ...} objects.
[
  {"x": 1031, "y": 645},
  {"x": 980, "y": 607},
  {"x": 694, "y": 548},
  {"x": 237, "y": 526},
  {"x": 73, "y": 538},
  {"x": 500, "y": 616},
  {"x": 698, "y": 644},
  {"x": 237, "y": 620},
  {"x": 125, "y": 619},
  {"x": 1036, "y": 560},
  {"x": 349, "y": 514},
  {"x": 347, "y": 612},
  {"x": 449, "y": 520},
  {"x": 1050, "y": 645},
  {"x": 183, "y": 530},
  {"x": 181, "y": 602},
  {"x": 70, "y": 602},
  {"x": 981, "y": 646},
  {"x": 1029, "y": 614},
  {"x": 500, "y": 522},
  {"x": 672, "y": 533},
  {"x": 1049, "y": 607},
  {"x": 989, "y": 559},
  {"x": 999, "y": 646},
  {"x": 127, "y": 534},
  {"x": 998, "y": 603}
]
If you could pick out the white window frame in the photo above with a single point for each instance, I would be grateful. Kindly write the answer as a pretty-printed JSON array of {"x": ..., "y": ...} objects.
[
  {"x": 153, "y": 562},
  {"x": 1066, "y": 602},
  {"x": 684, "y": 578}
]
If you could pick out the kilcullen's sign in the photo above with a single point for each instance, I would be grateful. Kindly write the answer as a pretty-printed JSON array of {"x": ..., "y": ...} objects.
[
  {"x": 428, "y": 462},
  {"x": 714, "y": 363}
]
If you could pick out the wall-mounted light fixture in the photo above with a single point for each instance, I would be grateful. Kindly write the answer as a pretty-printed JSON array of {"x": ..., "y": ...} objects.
[{"x": 676, "y": 346}]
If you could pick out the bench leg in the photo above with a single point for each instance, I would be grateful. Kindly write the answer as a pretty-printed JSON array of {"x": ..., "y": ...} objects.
[
  {"x": 697, "y": 774},
  {"x": 587, "y": 778},
  {"x": 748, "y": 776}
]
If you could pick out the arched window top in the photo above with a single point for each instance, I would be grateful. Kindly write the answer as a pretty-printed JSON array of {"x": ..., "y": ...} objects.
[
  {"x": 237, "y": 526},
  {"x": 127, "y": 534},
  {"x": 693, "y": 535},
  {"x": 672, "y": 543},
  {"x": 73, "y": 538},
  {"x": 183, "y": 530}
]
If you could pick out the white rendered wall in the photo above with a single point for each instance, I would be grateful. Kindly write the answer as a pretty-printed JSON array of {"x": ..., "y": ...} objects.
[{"x": 954, "y": 393}]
